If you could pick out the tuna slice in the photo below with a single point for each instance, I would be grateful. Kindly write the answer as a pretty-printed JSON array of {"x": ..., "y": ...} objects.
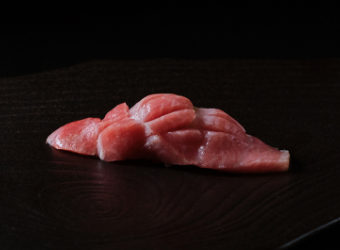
[{"x": 167, "y": 128}]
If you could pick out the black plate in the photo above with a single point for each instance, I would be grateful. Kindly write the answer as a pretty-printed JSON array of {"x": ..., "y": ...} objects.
[{"x": 58, "y": 200}]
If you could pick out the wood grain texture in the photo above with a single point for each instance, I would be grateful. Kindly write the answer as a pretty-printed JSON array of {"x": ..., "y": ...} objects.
[{"x": 57, "y": 200}]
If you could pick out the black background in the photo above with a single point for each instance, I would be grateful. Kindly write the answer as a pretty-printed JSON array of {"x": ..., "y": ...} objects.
[
  {"x": 36, "y": 40},
  {"x": 40, "y": 39}
]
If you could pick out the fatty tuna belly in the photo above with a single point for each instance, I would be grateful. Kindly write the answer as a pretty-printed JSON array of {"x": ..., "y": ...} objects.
[
  {"x": 240, "y": 154},
  {"x": 119, "y": 112},
  {"x": 157, "y": 105},
  {"x": 121, "y": 140},
  {"x": 264, "y": 158},
  {"x": 169, "y": 122},
  {"x": 178, "y": 147},
  {"x": 216, "y": 120},
  {"x": 79, "y": 136}
]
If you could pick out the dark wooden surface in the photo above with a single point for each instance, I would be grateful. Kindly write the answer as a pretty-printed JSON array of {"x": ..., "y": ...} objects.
[{"x": 57, "y": 200}]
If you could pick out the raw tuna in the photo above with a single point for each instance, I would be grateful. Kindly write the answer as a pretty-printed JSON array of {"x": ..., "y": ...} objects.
[{"x": 167, "y": 128}]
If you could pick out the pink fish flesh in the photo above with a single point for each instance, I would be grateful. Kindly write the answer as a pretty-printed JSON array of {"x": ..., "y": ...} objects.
[{"x": 168, "y": 128}]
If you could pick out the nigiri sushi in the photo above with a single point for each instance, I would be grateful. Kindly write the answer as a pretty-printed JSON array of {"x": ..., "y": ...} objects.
[{"x": 169, "y": 129}]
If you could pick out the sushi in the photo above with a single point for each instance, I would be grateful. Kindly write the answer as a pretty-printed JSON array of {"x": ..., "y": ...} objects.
[{"x": 168, "y": 128}]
